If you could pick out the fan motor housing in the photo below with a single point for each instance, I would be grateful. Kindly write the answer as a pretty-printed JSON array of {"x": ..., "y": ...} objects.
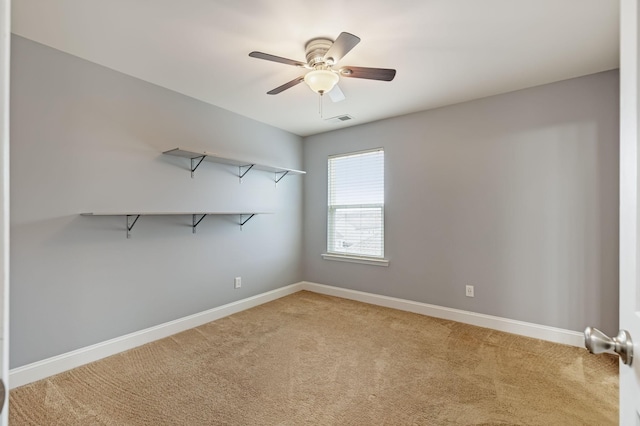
[{"x": 316, "y": 49}]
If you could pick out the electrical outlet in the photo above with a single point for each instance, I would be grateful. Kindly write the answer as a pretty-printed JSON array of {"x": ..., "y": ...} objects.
[
  {"x": 469, "y": 291},
  {"x": 237, "y": 282}
]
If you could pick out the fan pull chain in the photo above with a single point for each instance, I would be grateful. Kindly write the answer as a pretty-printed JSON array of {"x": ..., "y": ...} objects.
[{"x": 320, "y": 105}]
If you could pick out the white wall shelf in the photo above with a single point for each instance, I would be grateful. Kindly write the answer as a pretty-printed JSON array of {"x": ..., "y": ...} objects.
[
  {"x": 196, "y": 159},
  {"x": 196, "y": 217},
  {"x": 243, "y": 166}
]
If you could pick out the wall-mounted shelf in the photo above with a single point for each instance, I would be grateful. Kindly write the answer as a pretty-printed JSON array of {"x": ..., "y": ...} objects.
[
  {"x": 132, "y": 217},
  {"x": 243, "y": 166}
]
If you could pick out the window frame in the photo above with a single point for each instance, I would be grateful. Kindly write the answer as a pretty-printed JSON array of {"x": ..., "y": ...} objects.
[{"x": 331, "y": 209}]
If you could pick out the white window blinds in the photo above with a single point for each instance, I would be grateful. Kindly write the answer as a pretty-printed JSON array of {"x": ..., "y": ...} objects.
[{"x": 356, "y": 204}]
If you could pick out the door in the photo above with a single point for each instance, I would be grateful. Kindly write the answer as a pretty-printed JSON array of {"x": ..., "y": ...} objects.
[
  {"x": 629, "y": 210},
  {"x": 629, "y": 223},
  {"x": 5, "y": 42}
]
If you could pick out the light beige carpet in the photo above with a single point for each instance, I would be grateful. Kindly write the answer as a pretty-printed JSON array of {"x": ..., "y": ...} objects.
[{"x": 309, "y": 359}]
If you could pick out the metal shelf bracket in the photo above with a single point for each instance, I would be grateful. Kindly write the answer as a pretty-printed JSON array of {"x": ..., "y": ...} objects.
[
  {"x": 194, "y": 166},
  {"x": 279, "y": 178},
  {"x": 131, "y": 224},
  {"x": 241, "y": 173},
  {"x": 242, "y": 222},
  {"x": 196, "y": 221}
]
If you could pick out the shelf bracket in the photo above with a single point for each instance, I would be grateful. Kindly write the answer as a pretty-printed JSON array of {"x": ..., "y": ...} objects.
[
  {"x": 131, "y": 224},
  {"x": 282, "y": 174},
  {"x": 194, "y": 166},
  {"x": 242, "y": 222},
  {"x": 196, "y": 222},
  {"x": 241, "y": 173}
]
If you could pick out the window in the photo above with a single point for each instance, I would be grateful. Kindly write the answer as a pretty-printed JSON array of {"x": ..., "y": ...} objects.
[{"x": 355, "y": 213}]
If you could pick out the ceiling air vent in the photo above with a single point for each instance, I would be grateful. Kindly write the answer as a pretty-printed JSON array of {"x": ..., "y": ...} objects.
[{"x": 339, "y": 119}]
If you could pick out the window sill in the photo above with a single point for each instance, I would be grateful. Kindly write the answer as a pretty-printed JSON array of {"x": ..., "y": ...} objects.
[{"x": 355, "y": 259}]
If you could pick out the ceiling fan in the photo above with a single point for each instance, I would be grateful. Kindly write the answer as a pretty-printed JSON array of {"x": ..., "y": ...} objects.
[{"x": 322, "y": 55}]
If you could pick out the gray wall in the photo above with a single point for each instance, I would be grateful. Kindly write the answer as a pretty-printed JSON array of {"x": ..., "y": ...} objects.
[
  {"x": 515, "y": 194},
  {"x": 85, "y": 138}
]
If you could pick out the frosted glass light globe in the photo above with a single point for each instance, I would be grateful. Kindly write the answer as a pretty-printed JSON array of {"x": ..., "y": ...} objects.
[{"x": 321, "y": 81}]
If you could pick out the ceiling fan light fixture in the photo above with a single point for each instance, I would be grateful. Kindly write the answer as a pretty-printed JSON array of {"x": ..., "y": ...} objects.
[{"x": 321, "y": 81}]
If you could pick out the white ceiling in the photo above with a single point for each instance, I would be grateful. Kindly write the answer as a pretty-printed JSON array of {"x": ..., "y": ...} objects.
[{"x": 444, "y": 51}]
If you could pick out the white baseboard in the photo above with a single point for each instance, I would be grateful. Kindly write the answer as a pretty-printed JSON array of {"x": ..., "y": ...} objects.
[
  {"x": 542, "y": 332},
  {"x": 48, "y": 367}
]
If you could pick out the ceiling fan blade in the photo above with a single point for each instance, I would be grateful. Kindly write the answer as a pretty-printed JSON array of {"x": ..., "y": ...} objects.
[
  {"x": 384, "y": 74},
  {"x": 286, "y": 86},
  {"x": 343, "y": 45},
  {"x": 336, "y": 94},
  {"x": 274, "y": 58}
]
